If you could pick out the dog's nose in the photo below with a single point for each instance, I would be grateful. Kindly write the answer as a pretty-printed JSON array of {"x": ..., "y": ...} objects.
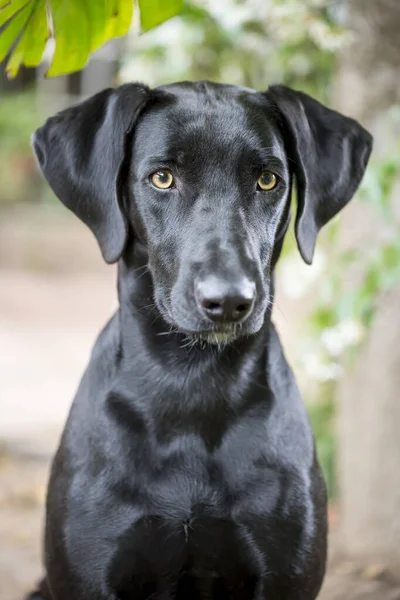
[{"x": 223, "y": 301}]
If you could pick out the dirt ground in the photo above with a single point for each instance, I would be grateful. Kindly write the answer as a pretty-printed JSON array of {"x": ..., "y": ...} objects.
[{"x": 52, "y": 304}]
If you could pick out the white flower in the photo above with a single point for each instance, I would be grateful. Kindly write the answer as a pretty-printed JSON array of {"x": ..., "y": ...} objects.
[
  {"x": 296, "y": 277},
  {"x": 337, "y": 339},
  {"x": 319, "y": 370}
]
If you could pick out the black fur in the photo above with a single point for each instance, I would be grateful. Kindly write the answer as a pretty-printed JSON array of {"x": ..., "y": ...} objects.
[{"x": 187, "y": 468}]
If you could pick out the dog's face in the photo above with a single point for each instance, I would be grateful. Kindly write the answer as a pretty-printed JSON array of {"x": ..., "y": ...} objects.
[
  {"x": 210, "y": 182},
  {"x": 201, "y": 174}
]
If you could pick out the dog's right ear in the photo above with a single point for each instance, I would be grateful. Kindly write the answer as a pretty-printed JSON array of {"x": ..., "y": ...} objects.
[
  {"x": 328, "y": 153},
  {"x": 81, "y": 152}
]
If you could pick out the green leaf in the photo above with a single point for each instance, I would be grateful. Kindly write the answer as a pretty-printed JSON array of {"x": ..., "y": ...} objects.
[
  {"x": 36, "y": 35},
  {"x": 371, "y": 284},
  {"x": 120, "y": 18},
  {"x": 80, "y": 28},
  {"x": 107, "y": 20},
  {"x": 9, "y": 9},
  {"x": 345, "y": 305},
  {"x": 32, "y": 43},
  {"x": 155, "y": 12},
  {"x": 12, "y": 30},
  {"x": 323, "y": 318},
  {"x": 72, "y": 33},
  {"x": 96, "y": 14},
  {"x": 16, "y": 59}
]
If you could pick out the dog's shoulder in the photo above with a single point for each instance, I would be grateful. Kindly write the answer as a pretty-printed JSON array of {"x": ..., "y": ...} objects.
[
  {"x": 108, "y": 343},
  {"x": 289, "y": 428}
]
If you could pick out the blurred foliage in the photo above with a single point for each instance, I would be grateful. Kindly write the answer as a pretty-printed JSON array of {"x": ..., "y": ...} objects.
[
  {"x": 377, "y": 267},
  {"x": 19, "y": 117},
  {"x": 79, "y": 28},
  {"x": 14, "y": 131},
  {"x": 250, "y": 43},
  {"x": 322, "y": 417},
  {"x": 351, "y": 285}
]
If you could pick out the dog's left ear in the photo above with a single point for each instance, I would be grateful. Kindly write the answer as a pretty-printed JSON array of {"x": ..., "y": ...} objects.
[
  {"x": 329, "y": 153},
  {"x": 81, "y": 152}
]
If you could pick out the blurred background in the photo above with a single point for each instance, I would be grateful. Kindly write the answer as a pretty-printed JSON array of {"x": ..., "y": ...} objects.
[{"x": 339, "y": 319}]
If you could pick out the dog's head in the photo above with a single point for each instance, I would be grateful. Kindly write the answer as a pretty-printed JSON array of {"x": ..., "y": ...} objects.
[{"x": 200, "y": 175}]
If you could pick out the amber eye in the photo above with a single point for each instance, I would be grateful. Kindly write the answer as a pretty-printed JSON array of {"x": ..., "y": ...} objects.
[
  {"x": 267, "y": 181},
  {"x": 162, "y": 179}
]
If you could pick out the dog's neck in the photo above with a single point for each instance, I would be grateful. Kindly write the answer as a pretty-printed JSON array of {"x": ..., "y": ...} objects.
[{"x": 213, "y": 384}]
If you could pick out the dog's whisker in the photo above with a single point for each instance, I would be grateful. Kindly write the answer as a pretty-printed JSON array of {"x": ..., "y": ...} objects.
[
  {"x": 188, "y": 344},
  {"x": 158, "y": 316},
  {"x": 280, "y": 311},
  {"x": 172, "y": 331},
  {"x": 144, "y": 268},
  {"x": 152, "y": 305},
  {"x": 140, "y": 268},
  {"x": 142, "y": 274},
  {"x": 142, "y": 309}
]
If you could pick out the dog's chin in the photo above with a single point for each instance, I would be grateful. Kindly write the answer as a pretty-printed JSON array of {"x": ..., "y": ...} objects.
[
  {"x": 214, "y": 338},
  {"x": 223, "y": 336},
  {"x": 220, "y": 337}
]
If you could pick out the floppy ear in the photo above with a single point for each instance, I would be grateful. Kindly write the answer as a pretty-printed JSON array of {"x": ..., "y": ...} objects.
[
  {"x": 329, "y": 153},
  {"x": 81, "y": 152}
]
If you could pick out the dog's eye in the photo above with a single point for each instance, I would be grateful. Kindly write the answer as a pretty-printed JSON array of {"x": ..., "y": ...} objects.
[
  {"x": 267, "y": 181},
  {"x": 162, "y": 179}
]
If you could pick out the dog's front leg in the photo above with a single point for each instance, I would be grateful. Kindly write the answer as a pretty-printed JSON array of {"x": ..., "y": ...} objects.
[
  {"x": 286, "y": 589},
  {"x": 68, "y": 592},
  {"x": 43, "y": 593}
]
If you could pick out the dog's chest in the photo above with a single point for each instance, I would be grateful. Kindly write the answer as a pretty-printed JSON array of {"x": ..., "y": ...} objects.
[
  {"x": 184, "y": 482},
  {"x": 176, "y": 507},
  {"x": 202, "y": 513}
]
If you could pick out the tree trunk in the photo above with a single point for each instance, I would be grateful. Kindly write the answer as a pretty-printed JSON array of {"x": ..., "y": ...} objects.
[{"x": 369, "y": 404}]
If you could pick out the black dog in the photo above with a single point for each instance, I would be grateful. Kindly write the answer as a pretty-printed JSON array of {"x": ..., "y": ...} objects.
[{"x": 187, "y": 469}]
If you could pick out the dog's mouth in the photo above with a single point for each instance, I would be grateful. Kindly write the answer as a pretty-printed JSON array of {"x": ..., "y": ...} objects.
[{"x": 219, "y": 335}]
